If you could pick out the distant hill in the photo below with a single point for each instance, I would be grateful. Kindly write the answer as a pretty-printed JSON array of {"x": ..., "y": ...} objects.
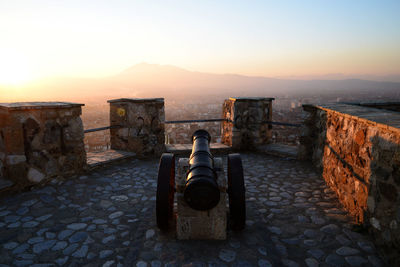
[
  {"x": 151, "y": 80},
  {"x": 340, "y": 76}
]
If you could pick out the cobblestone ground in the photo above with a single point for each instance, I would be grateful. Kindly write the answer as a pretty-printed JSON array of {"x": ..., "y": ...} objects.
[{"x": 107, "y": 218}]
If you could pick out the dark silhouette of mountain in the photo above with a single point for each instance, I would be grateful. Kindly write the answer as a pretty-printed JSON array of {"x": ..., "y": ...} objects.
[
  {"x": 151, "y": 80},
  {"x": 341, "y": 76},
  {"x": 172, "y": 79}
]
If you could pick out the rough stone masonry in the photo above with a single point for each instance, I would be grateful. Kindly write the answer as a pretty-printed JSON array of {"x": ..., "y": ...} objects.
[
  {"x": 195, "y": 224},
  {"x": 40, "y": 140},
  {"x": 139, "y": 125},
  {"x": 357, "y": 150},
  {"x": 245, "y": 128}
]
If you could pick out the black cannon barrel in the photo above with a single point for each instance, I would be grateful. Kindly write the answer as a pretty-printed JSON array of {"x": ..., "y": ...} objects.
[{"x": 201, "y": 191}]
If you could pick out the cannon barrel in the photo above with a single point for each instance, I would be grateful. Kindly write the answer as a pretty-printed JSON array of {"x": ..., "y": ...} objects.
[{"x": 201, "y": 190}]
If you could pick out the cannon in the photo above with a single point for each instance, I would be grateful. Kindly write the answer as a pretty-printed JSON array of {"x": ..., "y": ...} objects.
[{"x": 201, "y": 189}]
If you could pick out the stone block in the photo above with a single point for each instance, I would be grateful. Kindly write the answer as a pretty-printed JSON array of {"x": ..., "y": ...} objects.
[
  {"x": 194, "y": 224},
  {"x": 15, "y": 159},
  {"x": 74, "y": 130},
  {"x": 246, "y": 129},
  {"x": 17, "y": 173},
  {"x": 5, "y": 183},
  {"x": 41, "y": 140},
  {"x": 65, "y": 113},
  {"x": 35, "y": 176},
  {"x": 50, "y": 115},
  {"x": 142, "y": 122},
  {"x": 13, "y": 140}
]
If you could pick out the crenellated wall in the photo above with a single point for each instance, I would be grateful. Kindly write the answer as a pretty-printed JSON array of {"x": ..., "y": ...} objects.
[
  {"x": 141, "y": 125},
  {"x": 40, "y": 140},
  {"x": 246, "y": 129},
  {"x": 357, "y": 150}
]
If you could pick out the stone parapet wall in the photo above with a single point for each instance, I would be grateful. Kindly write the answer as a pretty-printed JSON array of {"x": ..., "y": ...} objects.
[
  {"x": 2, "y": 155},
  {"x": 357, "y": 150},
  {"x": 181, "y": 133},
  {"x": 393, "y": 106},
  {"x": 245, "y": 129},
  {"x": 312, "y": 136},
  {"x": 140, "y": 125},
  {"x": 39, "y": 141}
]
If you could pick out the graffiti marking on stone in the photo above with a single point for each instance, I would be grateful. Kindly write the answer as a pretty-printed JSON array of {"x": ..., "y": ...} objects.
[{"x": 121, "y": 112}]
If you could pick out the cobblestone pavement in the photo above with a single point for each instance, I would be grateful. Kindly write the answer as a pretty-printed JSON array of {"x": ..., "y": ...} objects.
[{"x": 107, "y": 218}]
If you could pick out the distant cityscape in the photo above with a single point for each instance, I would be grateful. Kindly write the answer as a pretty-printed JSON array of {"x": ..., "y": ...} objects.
[{"x": 285, "y": 108}]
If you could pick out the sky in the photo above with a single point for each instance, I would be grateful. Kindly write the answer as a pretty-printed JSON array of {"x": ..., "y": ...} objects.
[{"x": 40, "y": 39}]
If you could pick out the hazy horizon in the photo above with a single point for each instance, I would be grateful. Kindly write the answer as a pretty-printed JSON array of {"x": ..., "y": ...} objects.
[
  {"x": 292, "y": 40},
  {"x": 153, "y": 80},
  {"x": 388, "y": 77}
]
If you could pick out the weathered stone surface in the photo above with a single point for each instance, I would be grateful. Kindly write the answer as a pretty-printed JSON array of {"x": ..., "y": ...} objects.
[
  {"x": 35, "y": 176},
  {"x": 108, "y": 239},
  {"x": 10, "y": 245},
  {"x": 150, "y": 233},
  {"x": 335, "y": 260},
  {"x": 316, "y": 253},
  {"x": 358, "y": 154},
  {"x": 84, "y": 234},
  {"x": 59, "y": 245},
  {"x": 4, "y": 183},
  {"x": 227, "y": 255},
  {"x": 142, "y": 125},
  {"x": 71, "y": 248},
  {"x": 15, "y": 159},
  {"x": 40, "y": 141},
  {"x": 194, "y": 224},
  {"x": 105, "y": 253},
  {"x": 64, "y": 234},
  {"x": 78, "y": 237},
  {"x": 74, "y": 131},
  {"x": 245, "y": 129},
  {"x": 346, "y": 251},
  {"x": 356, "y": 260},
  {"x": 77, "y": 226},
  {"x": 311, "y": 262},
  {"x": 81, "y": 252},
  {"x": 115, "y": 215},
  {"x": 42, "y": 246},
  {"x": 264, "y": 263},
  {"x": 330, "y": 229}
]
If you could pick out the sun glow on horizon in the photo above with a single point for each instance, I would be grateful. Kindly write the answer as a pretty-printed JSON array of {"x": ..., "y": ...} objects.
[
  {"x": 15, "y": 69},
  {"x": 42, "y": 39}
]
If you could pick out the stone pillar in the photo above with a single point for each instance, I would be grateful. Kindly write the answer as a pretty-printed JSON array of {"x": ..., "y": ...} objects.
[
  {"x": 312, "y": 136},
  {"x": 246, "y": 129},
  {"x": 2, "y": 152},
  {"x": 139, "y": 125},
  {"x": 40, "y": 140}
]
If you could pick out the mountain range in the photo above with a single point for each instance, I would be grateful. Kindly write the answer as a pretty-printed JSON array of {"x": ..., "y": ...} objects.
[{"x": 151, "y": 80}]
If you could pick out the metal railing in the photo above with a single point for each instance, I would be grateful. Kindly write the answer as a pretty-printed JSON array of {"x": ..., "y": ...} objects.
[
  {"x": 282, "y": 123},
  {"x": 194, "y": 121},
  {"x": 228, "y": 120},
  {"x": 102, "y": 128}
]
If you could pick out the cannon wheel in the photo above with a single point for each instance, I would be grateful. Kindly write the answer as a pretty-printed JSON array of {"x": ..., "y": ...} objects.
[
  {"x": 236, "y": 191},
  {"x": 165, "y": 190}
]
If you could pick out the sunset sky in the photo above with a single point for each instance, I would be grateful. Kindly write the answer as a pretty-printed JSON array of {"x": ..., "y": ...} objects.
[{"x": 40, "y": 39}]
